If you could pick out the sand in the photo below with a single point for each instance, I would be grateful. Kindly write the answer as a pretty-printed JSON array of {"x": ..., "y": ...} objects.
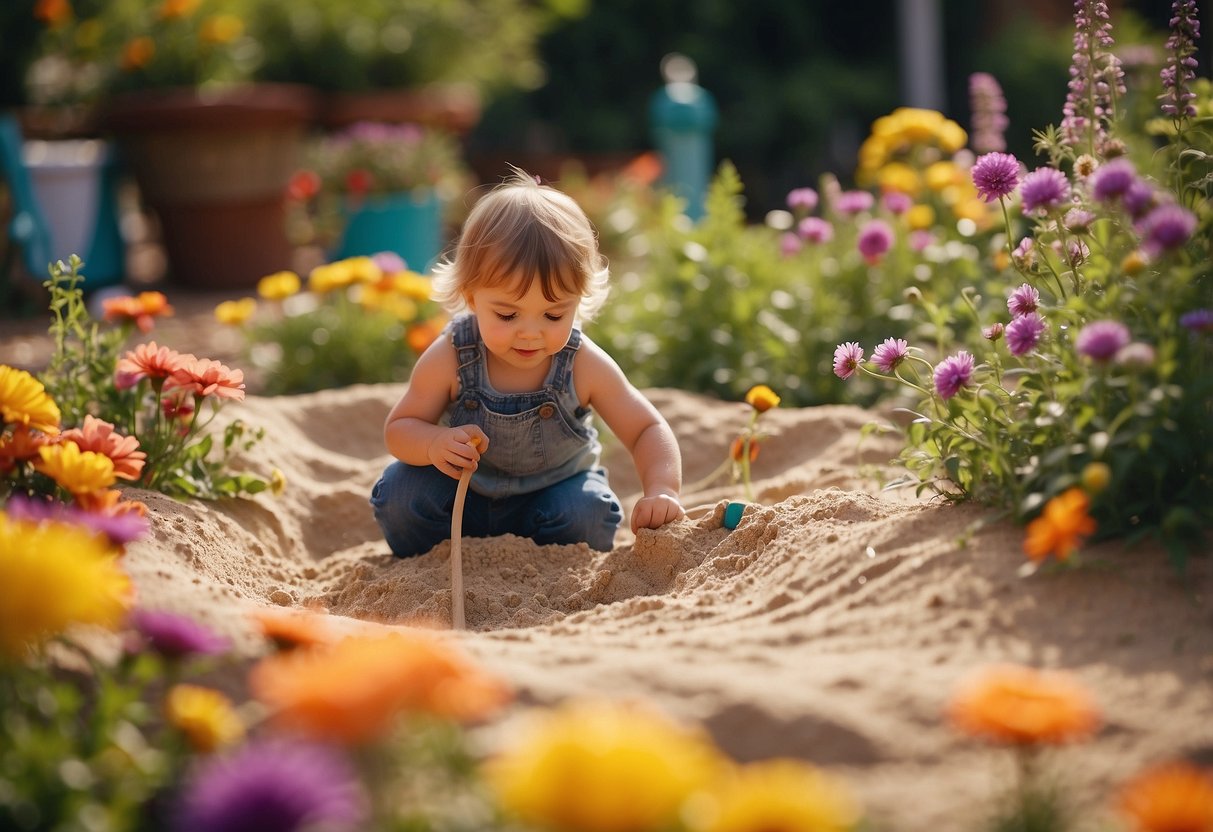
[{"x": 831, "y": 625}]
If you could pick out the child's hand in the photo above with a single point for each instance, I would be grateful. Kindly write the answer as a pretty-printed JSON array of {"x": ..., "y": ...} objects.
[
  {"x": 654, "y": 512},
  {"x": 457, "y": 449}
]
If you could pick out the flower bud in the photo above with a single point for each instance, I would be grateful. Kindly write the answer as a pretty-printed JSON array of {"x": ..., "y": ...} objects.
[{"x": 1095, "y": 477}]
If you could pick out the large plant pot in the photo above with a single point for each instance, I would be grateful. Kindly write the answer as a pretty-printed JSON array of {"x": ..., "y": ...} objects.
[
  {"x": 409, "y": 224},
  {"x": 453, "y": 107},
  {"x": 214, "y": 167}
]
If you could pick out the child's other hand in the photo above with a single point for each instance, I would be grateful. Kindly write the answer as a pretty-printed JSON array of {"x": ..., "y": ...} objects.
[
  {"x": 457, "y": 449},
  {"x": 654, "y": 512}
]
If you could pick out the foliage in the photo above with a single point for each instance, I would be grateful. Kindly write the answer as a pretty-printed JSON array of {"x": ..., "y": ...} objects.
[
  {"x": 142, "y": 416},
  {"x": 361, "y": 320}
]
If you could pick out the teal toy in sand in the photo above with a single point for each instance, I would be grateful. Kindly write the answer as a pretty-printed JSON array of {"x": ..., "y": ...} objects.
[{"x": 732, "y": 515}]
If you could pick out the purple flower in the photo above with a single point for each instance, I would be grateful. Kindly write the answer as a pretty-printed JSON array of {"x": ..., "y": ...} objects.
[
  {"x": 1096, "y": 77},
  {"x": 996, "y": 175},
  {"x": 1023, "y": 300},
  {"x": 273, "y": 787},
  {"x": 815, "y": 230},
  {"x": 1180, "y": 69},
  {"x": 953, "y": 373},
  {"x": 920, "y": 238},
  {"x": 875, "y": 239},
  {"x": 989, "y": 108},
  {"x": 1139, "y": 199},
  {"x": 1112, "y": 180},
  {"x": 789, "y": 244},
  {"x": 854, "y": 202},
  {"x": 1078, "y": 220},
  {"x": 1101, "y": 340},
  {"x": 1165, "y": 228},
  {"x": 895, "y": 202},
  {"x": 890, "y": 353},
  {"x": 1198, "y": 320},
  {"x": 1136, "y": 356},
  {"x": 176, "y": 636},
  {"x": 1024, "y": 333},
  {"x": 389, "y": 262},
  {"x": 1024, "y": 254},
  {"x": 120, "y": 529},
  {"x": 993, "y": 332},
  {"x": 1043, "y": 190},
  {"x": 804, "y": 199},
  {"x": 847, "y": 358}
]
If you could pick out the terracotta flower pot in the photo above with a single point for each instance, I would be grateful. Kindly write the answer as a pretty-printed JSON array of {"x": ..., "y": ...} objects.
[
  {"x": 453, "y": 107},
  {"x": 214, "y": 166}
]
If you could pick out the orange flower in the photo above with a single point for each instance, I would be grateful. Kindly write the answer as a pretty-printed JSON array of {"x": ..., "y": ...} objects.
[
  {"x": 98, "y": 435},
  {"x": 20, "y": 446},
  {"x": 110, "y": 503},
  {"x": 1172, "y": 797},
  {"x": 289, "y": 629},
  {"x": 352, "y": 691},
  {"x": 738, "y": 448},
  {"x": 150, "y": 361},
  {"x": 1061, "y": 527},
  {"x": 53, "y": 12},
  {"x": 171, "y": 9},
  {"x": 419, "y": 336},
  {"x": 1022, "y": 706},
  {"x": 144, "y": 308},
  {"x": 204, "y": 377},
  {"x": 762, "y": 398}
]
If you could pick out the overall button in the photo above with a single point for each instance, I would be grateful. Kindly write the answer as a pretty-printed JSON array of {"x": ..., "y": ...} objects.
[
  {"x": 547, "y": 411},
  {"x": 471, "y": 404}
]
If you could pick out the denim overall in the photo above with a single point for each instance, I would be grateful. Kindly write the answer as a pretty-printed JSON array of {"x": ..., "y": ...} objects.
[{"x": 540, "y": 477}]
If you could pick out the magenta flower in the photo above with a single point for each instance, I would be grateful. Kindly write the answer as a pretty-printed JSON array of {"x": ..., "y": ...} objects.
[
  {"x": 895, "y": 202},
  {"x": 1101, "y": 340},
  {"x": 1043, "y": 190},
  {"x": 1198, "y": 320},
  {"x": 1024, "y": 332},
  {"x": 1165, "y": 228},
  {"x": 1024, "y": 254},
  {"x": 176, "y": 636},
  {"x": 789, "y": 244},
  {"x": 120, "y": 528},
  {"x": 1023, "y": 300},
  {"x": 875, "y": 239},
  {"x": 920, "y": 238},
  {"x": 389, "y": 262},
  {"x": 890, "y": 353},
  {"x": 1139, "y": 199},
  {"x": 847, "y": 358},
  {"x": 854, "y": 202},
  {"x": 993, "y": 332},
  {"x": 1078, "y": 220},
  {"x": 803, "y": 199},
  {"x": 273, "y": 787},
  {"x": 996, "y": 175},
  {"x": 953, "y": 373},
  {"x": 1180, "y": 69},
  {"x": 815, "y": 230},
  {"x": 1113, "y": 180}
]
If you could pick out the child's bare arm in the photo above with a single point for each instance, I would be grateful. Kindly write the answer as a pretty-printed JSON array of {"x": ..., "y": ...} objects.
[
  {"x": 641, "y": 429},
  {"x": 411, "y": 431}
]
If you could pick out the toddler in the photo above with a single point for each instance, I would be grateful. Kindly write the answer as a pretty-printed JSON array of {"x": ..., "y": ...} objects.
[{"x": 510, "y": 388}]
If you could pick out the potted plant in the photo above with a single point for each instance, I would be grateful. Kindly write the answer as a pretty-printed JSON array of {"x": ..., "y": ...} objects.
[{"x": 376, "y": 187}]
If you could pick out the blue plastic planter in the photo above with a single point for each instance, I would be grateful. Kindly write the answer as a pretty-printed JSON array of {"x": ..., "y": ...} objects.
[{"x": 409, "y": 224}]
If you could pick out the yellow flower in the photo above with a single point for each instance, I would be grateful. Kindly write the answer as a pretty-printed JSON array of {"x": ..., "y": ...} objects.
[
  {"x": 205, "y": 716},
  {"x": 920, "y": 217},
  {"x": 278, "y": 285},
  {"x": 597, "y": 766},
  {"x": 776, "y": 794},
  {"x": 898, "y": 176},
  {"x": 1096, "y": 476},
  {"x": 1133, "y": 263},
  {"x": 80, "y": 472},
  {"x": 413, "y": 285},
  {"x": 24, "y": 401},
  {"x": 362, "y": 269},
  {"x": 235, "y": 312},
  {"x": 277, "y": 482},
  {"x": 942, "y": 175},
  {"x": 53, "y": 575},
  {"x": 951, "y": 137},
  {"x": 220, "y": 29},
  {"x": 330, "y": 276},
  {"x": 762, "y": 398}
]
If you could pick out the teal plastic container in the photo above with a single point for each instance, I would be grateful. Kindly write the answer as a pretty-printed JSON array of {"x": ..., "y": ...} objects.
[{"x": 410, "y": 224}]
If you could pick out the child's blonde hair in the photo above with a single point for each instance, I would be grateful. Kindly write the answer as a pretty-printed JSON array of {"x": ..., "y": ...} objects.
[{"x": 528, "y": 231}]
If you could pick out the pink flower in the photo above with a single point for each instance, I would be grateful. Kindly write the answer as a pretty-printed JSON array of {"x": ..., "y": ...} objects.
[
  {"x": 847, "y": 358},
  {"x": 890, "y": 353},
  {"x": 205, "y": 377}
]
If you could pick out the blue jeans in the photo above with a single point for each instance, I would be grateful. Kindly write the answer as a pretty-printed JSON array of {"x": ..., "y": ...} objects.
[{"x": 413, "y": 506}]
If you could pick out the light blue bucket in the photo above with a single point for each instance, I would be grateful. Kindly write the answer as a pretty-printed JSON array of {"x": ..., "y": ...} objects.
[{"x": 410, "y": 224}]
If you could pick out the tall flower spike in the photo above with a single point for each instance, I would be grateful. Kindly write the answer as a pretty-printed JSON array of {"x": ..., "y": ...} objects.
[
  {"x": 1096, "y": 79},
  {"x": 1180, "y": 68},
  {"x": 989, "y": 108}
]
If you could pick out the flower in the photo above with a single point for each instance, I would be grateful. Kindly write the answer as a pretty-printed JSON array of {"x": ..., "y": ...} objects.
[
  {"x": 953, "y": 373},
  {"x": 993, "y": 332},
  {"x": 777, "y": 794},
  {"x": 1165, "y": 228},
  {"x": 875, "y": 239},
  {"x": 989, "y": 108},
  {"x": 1198, "y": 320},
  {"x": 761, "y": 398},
  {"x": 1169, "y": 797},
  {"x": 80, "y": 472},
  {"x": 120, "y": 528},
  {"x": 1043, "y": 190},
  {"x": 296, "y": 628},
  {"x": 123, "y": 451},
  {"x": 570, "y": 765},
  {"x": 1180, "y": 69},
  {"x": 19, "y": 446},
  {"x": 176, "y": 636},
  {"x": 53, "y": 575},
  {"x": 151, "y": 361},
  {"x": 890, "y": 353},
  {"x": 1023, "y": 300},
  {"x": 996, "y": 175},
  {"x": 847, "y": 358},
  {"x": 1061, "y": 527},
  {"x": 24, "y": 401},
  {"x": 1095, "y": 477},
  {"x": 235, "y": 312},
  {"x": 815, "y": 230},
  {"x": 370, "y": 158},
  {"x": 1095, "y": 77},
  {"x": 1101, "y": 340},
  {"x": 1017, "y": 705},
  {"x": 352, "y": 691},
  {"x": 279, "y": 285},
  {"x": 789, "y": 244},
  {"x": 737, "y": 449},
  {"x": 206, "y": 717},
  {"x": 205, "y": 376},
  {"x": 1024, "y": 333},
  {"x": 1139, "y": 199},
  {"x": 273, "y": 786},
  {"x": 141, "y": 310},
  {"x": 803, "y": 199},
  {"x": 1112, "y": 180},
  {"x": 1135, "y": 356},
  {"x": 854, "y": 202}
]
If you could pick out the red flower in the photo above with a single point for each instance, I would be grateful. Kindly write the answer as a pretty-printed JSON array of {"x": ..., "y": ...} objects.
[
  {"x": 359, "y": 181},
  {"x": 304, "y": 185}
]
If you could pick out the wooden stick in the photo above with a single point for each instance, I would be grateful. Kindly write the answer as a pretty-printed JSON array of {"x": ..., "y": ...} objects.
[{"x": 458, "y": 621}]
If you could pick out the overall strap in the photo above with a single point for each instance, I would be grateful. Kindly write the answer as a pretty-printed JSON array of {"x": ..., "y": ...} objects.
[
  {"x": 465, "y": 336},
  {"x": 561, "y": 375}
]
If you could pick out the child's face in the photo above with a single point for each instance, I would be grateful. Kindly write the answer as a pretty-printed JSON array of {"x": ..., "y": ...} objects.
[{"x": 522, "y": 331}]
